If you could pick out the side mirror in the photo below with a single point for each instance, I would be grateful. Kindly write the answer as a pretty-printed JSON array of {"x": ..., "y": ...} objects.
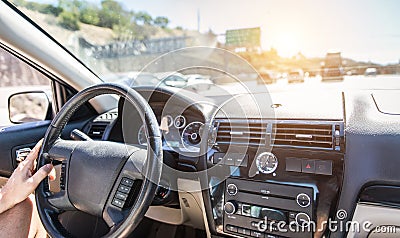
[{"x": 28, "y": 106}]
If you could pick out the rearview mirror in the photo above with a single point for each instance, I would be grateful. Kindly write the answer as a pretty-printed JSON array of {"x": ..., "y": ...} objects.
[{"x": 28, "y": 106}]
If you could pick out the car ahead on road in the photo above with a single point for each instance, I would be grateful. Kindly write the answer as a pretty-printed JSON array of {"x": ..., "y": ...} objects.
[
  {"x": 193, "y": 82},
  {"x": 371, "y": 72},
  {"x": 155, "y": 160},
  {"x": 332, "y": 69},
  {"x": 266, "y": 77},
  {"x": 295, "y": 76},
  {"x": 199, "y": 81},
  {"x": 171, "y": 79}
]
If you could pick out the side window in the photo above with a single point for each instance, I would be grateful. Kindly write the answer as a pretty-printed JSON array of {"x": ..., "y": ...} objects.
[{"x": 31, "y": 91}]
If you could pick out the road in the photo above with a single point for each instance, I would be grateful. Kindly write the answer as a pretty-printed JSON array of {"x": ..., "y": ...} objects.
[{"x": 311, "y": 85}]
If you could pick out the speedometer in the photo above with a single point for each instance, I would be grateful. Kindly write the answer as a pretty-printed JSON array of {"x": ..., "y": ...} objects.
[{"x": 191, "y": 135}]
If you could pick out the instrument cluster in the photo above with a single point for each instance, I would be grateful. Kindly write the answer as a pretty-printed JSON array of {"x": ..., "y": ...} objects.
[{"x": 182, "y": 132}]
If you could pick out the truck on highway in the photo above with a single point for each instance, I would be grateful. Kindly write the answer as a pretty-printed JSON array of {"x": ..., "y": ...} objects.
[{"x": 332, "y": 67}]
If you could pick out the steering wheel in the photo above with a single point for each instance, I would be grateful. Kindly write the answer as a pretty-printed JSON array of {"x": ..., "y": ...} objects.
[{"x": 111, "y": 180}]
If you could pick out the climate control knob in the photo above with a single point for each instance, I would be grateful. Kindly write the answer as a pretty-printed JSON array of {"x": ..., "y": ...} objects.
[
  {"x": 230, "y": 207},
  {"x": 231, "y": 189},
  {"x": 302, "y": 219},
  {"x": 266, "y": 162}
]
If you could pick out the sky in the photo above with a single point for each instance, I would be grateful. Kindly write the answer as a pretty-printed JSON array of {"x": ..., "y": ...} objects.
[{"x": 367, "y": 30}]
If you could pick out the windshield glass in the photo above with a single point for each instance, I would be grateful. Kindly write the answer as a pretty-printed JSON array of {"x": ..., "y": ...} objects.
[{"x": 338, "y": 45}]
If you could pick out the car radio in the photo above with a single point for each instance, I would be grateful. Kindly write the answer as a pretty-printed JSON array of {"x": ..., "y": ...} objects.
[{"x": 266, "y": 209}]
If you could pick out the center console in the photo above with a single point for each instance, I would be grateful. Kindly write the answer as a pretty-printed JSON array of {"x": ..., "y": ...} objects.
[
  {"x": 264, "y": 209},
  {"x": 283, "y": 182}
]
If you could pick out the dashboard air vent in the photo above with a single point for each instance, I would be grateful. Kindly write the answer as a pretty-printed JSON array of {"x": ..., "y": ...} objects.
[
  {"x": 106, "y": 117},
  {"x": 303, "y": 135},
  {"x": 241, "y": 132},
  {"x": 96, "y": 131}
]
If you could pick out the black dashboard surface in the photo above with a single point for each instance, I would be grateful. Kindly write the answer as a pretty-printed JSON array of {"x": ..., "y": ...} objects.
[
  {"x": 285, "y": 105},
  {"x": 372, "y": 148},
  {"x": 371, "y": 129}
]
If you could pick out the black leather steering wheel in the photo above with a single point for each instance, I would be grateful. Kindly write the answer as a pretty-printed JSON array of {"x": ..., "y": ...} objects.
[{"x": 111, "y": 180}]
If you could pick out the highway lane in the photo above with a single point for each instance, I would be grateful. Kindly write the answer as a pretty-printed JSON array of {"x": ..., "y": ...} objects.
[{"x": 311, "y": 85}]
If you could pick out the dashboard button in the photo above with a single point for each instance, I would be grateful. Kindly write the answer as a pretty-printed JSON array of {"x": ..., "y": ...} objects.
[
  {"x": 293, "y": 165},
  {"x": 229, "y": 160},
  {"x": 118, "y": 203},
  {"x": 323, "y": 167},
  {"x": 217, "y": 158},
  {"x": 257, "y": 234},
  {"x": 126, "y": 181},
  {"x": 121, "y": 196},
  {"x": 270, "y": 236},
  {"x": 243, "y": 231},
  {"x": 303, "y": 200},
  {"x": 241, "y": 160},
  {"x": 124, "y": 189},
  {"x": 231, "y": 228},
  {"x": 308, "y": 166}
]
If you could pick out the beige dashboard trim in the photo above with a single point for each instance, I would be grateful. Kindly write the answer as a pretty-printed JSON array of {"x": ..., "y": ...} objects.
[
  {"x": 192, "y": 211},
  {"x": 377, "y": 216}
]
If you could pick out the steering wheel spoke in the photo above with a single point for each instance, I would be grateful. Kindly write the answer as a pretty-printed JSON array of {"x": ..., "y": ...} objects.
[
  {"x": 61, "y": 201},
  {"x": 61, "y": 150}
]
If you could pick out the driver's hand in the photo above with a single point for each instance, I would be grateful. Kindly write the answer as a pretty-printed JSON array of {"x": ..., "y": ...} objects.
[{"x": 24, "y": 180}]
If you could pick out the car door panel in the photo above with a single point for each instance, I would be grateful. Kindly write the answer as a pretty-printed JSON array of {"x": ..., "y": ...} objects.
[{"x": 25, "y": 135}]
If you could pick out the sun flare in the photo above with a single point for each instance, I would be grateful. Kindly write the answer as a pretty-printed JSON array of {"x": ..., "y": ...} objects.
[{"x": 287, "y": 44}]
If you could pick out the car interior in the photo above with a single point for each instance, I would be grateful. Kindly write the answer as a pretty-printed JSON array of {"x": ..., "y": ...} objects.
[{"x": 141, "y": 160}]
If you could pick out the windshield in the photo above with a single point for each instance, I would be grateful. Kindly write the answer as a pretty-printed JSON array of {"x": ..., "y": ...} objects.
[{"x": 335, "y": 45}]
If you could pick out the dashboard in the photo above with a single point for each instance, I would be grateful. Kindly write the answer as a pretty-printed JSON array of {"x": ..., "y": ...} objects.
[
  {"x": 181, "y": 126},
  {"x": 179, "y": 131},
  {"x": 275, "y": 164}
]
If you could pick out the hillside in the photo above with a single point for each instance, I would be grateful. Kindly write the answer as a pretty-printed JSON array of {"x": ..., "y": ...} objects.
[{"x": 93, "y": 34}]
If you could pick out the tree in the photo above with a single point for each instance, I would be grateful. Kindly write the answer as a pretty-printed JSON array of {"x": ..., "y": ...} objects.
[
  {"x": 72, "y": 6},
  {"x": 90, "y": 15},
  {"x": 50, "y": 9},
  {"x": 111, "y": 14},
  {"x": 68, "y": 20},
  {"x": 143, "y": 18},
  {"x": 161, "y": 22}
]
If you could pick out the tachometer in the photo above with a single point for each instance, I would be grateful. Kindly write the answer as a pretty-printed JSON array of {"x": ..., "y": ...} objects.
[
  {"x": 191, "y": 135},
  {"x": 179, "y": 122}
]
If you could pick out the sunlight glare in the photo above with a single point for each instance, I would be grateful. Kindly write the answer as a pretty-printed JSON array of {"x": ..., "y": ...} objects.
[{"x": 287, "y": 44}]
